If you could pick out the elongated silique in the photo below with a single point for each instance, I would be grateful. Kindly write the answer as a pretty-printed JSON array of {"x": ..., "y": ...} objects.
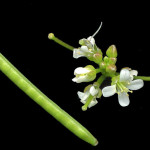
[{"x": 48, "y": 105}]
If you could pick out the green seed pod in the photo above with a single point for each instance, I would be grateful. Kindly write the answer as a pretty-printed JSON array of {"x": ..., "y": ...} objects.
[
  {"x": 111, "y": 69},
  {"x": 47, "y": 104},
  {"x": 112, "y": 51}
]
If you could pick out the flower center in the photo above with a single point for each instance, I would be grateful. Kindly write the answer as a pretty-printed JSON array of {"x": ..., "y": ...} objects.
[{"x": 122, "y": 88}]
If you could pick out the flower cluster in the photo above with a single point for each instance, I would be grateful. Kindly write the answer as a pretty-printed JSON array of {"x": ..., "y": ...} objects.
[{"x": 121, "y": 83}]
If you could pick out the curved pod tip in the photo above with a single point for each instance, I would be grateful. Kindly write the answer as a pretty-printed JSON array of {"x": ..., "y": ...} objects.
[{"x": 96, "y": 143}]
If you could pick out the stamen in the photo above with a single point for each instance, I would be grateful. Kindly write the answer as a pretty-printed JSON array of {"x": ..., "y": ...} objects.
[
  {"x": 118, "y": 93},
  {"x": 90, "y": 50},
  {"x": 120, "y": 87}
]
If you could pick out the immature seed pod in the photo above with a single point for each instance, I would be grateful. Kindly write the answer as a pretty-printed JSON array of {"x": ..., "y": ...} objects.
[
  {"x": 48, "y": 105},
  {"x": 112, "y": 51}
]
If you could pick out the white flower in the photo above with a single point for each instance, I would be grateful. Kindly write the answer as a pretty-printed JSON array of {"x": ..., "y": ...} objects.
[
  {"x": 91, "y": 40},
  {"x": 86, "y": 49},
  {"x": 88, "y": 97},
  {"x": 89, "y": 46},
  {"x": 84, "y": 96},
  {"x": 81, "y": 52},
  {"x": 122, "y": 85},
  {"x": 85, "y": 74}
]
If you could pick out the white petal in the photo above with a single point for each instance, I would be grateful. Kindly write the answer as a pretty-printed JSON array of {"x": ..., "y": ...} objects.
[
  {"x": 93, "y": 103},
  {"x": 83, "y": 101},
  {"x": 133, "y": 72},
  {"x": 74, "y": 79},
  {"x": 93, "y": 91},
  {"x": 136, "y": 84},
  {"x": 81, "y": 70},
  {"x": 91, "y": 39},
  {"x": 78, "y": 53},
  {"x": 123, "y": 99},
  {"x": 83, "y": 96},
  {"x": 81, "y": 79},
  {"x": 109, "y": 91},
  {"x": 125, "y": 75},
  {"x": 77, "y": 80},
  {"x": 80, "y": 94},
  {"x": 84, "y": 49}
]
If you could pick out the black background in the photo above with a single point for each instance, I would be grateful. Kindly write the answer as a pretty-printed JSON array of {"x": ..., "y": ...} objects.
[{"x": 24, "y": 29}]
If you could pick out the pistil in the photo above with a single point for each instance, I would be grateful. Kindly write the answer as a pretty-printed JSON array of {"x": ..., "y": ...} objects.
[{"x": 84, "y": 107}]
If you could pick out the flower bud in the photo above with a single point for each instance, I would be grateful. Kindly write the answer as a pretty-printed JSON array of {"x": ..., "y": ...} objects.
[
  {"x": 112, "y": 60},
  {"x": 102, "y": 65},
  {"x": 111, "y": 69},
  {"x": 82, "y": 42},
  {"x": 111, "y": 51},
  {"x": 85, "y": 74},
  {"x": 106, "y": 59},
  {"x": 97, "y": 57}
]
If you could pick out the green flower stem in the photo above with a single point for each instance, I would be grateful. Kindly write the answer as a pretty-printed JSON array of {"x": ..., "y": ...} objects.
[
  {"x": 101, "y": 79},
  {"x": 48, "y": 105},
  {"x": 51, "y": 36},
  {"x": 142, "y": 77},
  {"x": 84, "y": 107},
  {"x": 98, "y": 70}
]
